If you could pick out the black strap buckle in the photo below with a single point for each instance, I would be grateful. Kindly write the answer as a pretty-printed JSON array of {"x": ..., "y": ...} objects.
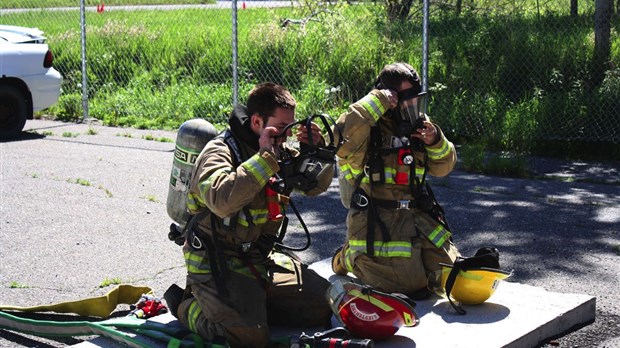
[{"x": 245, "y": 247}]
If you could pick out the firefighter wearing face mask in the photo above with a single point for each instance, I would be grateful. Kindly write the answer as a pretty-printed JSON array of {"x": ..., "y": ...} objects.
[{"x": 397, "y": 233}]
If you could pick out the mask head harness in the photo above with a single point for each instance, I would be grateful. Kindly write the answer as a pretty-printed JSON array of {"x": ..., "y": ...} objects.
[
  {"x": 407, "y": 116},
  {"x": 301, "y": 171}
]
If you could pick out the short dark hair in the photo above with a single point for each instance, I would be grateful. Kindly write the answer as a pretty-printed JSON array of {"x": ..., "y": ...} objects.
[
  {"x": 264, "y": 98},
  {"x": 392, "y": 75}
]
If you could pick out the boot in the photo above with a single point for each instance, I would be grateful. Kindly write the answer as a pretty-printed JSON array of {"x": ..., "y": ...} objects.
[
  {"x": 173, "y": 297},
  {"x": 337, "y": 265}
]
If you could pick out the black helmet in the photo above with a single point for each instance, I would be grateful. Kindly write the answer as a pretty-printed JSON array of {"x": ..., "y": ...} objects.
[{"x": 394, "y": 74}]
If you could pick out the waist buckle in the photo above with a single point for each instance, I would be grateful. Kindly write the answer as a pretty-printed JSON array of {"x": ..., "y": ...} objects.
[{"x": 403, "y": 204}]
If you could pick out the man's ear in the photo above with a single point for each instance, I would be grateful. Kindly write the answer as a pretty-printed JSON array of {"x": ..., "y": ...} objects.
[{"x": 256, "y": 122}]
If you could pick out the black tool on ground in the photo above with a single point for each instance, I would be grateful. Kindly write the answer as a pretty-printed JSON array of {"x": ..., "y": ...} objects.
[{"x": 336, "y": 337}]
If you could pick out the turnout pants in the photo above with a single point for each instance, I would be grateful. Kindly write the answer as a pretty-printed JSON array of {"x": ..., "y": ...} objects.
[
  {"x": 404, "y": 274},
  {"x": 296, "y": 297}
]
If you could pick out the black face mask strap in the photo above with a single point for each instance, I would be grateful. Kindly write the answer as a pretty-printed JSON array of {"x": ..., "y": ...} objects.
[
  {"x": 409, "y": 93},
  {"x": 456, "y": 268}
]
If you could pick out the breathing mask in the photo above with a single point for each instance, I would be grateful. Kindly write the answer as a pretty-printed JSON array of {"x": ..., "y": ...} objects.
[
  {"x": 407, "y": 115},
  {"x": 302, "y": 168}
]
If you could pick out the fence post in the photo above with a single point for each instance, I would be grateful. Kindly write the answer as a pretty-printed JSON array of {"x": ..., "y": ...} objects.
[
  {"x": 84, "y": 74},
  {"x": 425, "y": 51},
  {"x": 234, "y": 53}
]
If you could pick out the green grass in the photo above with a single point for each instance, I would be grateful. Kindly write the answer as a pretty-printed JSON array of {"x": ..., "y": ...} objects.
[
  {"x": 16, "y": 285},
  {"x": 506, "y": 73},
  {"x": 110, "y": 281},
  {"x": 80, "y": 181},
  {"x": 75, "y": 3},
  {"x": 151, "y": 198}
]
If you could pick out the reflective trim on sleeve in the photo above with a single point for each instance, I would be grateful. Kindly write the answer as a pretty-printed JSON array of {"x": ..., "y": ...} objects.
[
  {"x": 259, "y": 168},
  {"x": 439, "y": 236},
  {"x": 373, "y": 105},
  {"x": 348, "y": 172},
  {"x": 194, "y": 204},
  {"x": 195, "y": 264},
  {"x": 441, "y": 152},
  {"x": 259, "y": 216}
]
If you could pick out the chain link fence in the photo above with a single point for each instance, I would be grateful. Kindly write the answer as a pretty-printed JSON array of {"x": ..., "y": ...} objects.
[{"x": 510, "y": 71}]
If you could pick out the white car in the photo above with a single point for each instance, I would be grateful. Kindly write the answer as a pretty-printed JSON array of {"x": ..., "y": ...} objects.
[{"x": 28, "y": 80}]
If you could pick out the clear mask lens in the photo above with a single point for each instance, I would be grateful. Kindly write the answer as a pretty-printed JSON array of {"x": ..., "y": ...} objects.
[{"x": 410, "y": 113}]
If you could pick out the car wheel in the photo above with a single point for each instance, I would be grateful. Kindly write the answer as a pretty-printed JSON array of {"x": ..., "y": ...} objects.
[{"x": 13, "y": 111}]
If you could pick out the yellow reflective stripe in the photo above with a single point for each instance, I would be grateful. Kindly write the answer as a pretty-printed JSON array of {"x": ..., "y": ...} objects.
[
  {"x": 259, "y": 168},
  {"x": 373, "y": 105},
  {"x": 375, "y": 301},
  {"x": 383, "y": 249},
  {"x": 238, "y": 266},
  {"x": 439, "y": 153},
  {"x": 192, "y": 315},
  {"x": 193, "y": 203},
  {"x": 283, "y": 261},
  {"x": 347, "y": 171},
  {"x": 197, "y": 201},
  {"x": 464, "y": 274},
  {"x": 347, "y": 259},
  {"x": 259, "y": 216},
  {"x": 439, "y": 236},
  {"x": 204, "y": 186},
  {"x": 390, "y": 174},
  {"x": 408, "y": 318},
  {"x": 194, "y": 264}
]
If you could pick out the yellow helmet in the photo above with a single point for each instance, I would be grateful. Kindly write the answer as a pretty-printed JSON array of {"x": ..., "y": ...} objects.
[
  {"x": 473, "y": 280},
  {"x": 473, "y": 286}
]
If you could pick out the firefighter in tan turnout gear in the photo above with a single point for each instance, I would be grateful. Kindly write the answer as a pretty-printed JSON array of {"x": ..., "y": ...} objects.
[
  {"x": 397, "y": 233},
  {"x": 237, "y": 283}
]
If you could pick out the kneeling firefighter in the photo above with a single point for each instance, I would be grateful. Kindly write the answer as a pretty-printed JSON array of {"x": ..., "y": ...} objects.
[
  {"x": 240, "y": 280},
  {"x": 397, "y": 233}
]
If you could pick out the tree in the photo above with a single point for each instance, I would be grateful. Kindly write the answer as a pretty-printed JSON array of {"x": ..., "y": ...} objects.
[
  {"x": 573, "y": 8},
  {"x": 602, "y": 34},
  {"x": 398, "y": 9}
]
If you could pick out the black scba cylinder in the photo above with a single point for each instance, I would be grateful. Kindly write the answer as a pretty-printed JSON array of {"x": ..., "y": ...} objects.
[{"x": 192, "y": 137}]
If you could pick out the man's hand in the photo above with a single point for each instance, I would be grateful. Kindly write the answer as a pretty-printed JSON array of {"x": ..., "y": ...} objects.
[
  {"x": 428, "y": 134},
  {"x": 302, "y": 134},
  {"x": 393, "y": 95},
  {"x": 266, "y": 140}
]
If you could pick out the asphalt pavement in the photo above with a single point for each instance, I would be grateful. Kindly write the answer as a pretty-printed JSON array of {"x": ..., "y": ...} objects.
[{"x": 84, "y": 206}]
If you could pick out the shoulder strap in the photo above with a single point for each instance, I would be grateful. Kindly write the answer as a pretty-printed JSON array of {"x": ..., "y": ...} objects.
[{"x": 376, "y": 172}]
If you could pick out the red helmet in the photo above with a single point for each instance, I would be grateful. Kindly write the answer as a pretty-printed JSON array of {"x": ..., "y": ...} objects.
[{"x": 369, "y": 313}]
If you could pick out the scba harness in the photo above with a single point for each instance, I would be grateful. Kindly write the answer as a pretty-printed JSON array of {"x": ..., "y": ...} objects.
[
  {"x": 299, "y": 170},
  {"x": 419, "y": 188}
]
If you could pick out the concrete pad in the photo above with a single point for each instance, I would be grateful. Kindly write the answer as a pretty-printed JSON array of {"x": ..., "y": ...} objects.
[{"x": 517, "y": 315}]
